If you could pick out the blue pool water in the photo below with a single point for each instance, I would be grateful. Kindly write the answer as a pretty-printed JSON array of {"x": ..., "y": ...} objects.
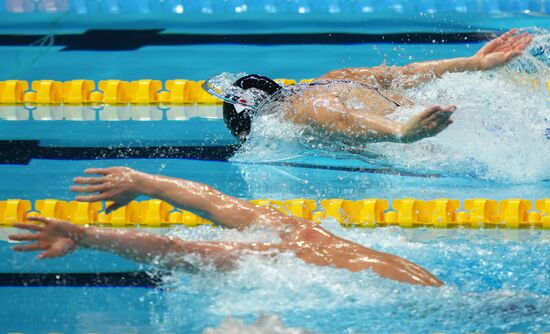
[{"x": 496, "y": 281}]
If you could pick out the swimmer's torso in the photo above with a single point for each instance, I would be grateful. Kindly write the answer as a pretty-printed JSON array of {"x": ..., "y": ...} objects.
[{"x": 345, "y": 97}]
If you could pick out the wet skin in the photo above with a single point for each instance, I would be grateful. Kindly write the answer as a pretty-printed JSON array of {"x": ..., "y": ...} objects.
[
  {"x": 346, "y": 109},
  {"x": 308, "y": 240}
]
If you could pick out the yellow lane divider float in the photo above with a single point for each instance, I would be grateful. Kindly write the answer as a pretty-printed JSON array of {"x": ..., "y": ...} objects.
[
  {"x": 114, "y": 92},
  {"x": 406, "y": 213},
  {"x": 145, "y": 99},
  {"x": 115, "y": 99}
]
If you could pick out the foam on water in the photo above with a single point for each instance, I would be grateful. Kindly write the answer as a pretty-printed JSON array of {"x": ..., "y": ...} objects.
[
  {"x": 266, "y": 324},
  {"x": 493, "y": 284},
  {"x": 500, "y": 129}
]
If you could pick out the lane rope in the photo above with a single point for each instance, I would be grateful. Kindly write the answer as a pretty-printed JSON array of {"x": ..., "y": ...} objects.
[{"x": 371, "y": 213}]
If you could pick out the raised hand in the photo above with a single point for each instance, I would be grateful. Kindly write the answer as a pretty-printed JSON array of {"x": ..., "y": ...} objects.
[
  {"x": 55, "y": 237},
  {"x": 502, "y": 49},
  {"x": 426, "y": 124},
  {"x": 117, "y": 184}
]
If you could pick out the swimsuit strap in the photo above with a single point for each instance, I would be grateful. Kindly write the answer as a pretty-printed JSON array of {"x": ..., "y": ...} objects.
[{"x": 371, "y": 87}]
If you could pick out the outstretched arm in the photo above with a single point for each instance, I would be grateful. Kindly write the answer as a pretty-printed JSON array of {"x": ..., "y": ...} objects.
[
  {"x": 330, "y": 115},
  {"x": 497, "y": 52},
  {"x": 56, "y": 238},
  {"x": 122, "y": 184}
]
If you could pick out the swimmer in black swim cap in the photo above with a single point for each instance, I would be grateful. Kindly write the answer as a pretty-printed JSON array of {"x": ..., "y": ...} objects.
[
  {"x": 238, "y": 114},
  {"x": 351, "y": 105}
]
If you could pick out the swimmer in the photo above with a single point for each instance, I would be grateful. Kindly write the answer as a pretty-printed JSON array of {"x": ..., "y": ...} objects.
[
  {"x": 351, "y": 104},
  {"x": 308, "y": 240}
]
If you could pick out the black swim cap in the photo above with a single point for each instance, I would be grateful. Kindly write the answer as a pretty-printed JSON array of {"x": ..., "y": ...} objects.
[{"x": 239, "y": 123}]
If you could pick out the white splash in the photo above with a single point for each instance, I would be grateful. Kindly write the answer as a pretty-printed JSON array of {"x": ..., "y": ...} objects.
[
  {"x": 266, "y": 324},
  {"x": 487, "y": 285},
  {"x": 499, "y": 133}
]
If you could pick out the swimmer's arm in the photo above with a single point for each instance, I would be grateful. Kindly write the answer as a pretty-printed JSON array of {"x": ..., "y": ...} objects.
[
  {"x": 339, "y": 120},
  {"x": 495, "y": 53},
  {"x": 404, "y": 76},
  {"x": 121, "y": 185},
  {"x": 56, "y": 238},
  {"x": 330, "y": 115},
  {"x": 225, "y": 210}
]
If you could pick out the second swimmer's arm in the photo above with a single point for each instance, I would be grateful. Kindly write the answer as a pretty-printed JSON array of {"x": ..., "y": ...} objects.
[
  {"x": 121, "y": 185},
  {"x": 57, "y": 238}
]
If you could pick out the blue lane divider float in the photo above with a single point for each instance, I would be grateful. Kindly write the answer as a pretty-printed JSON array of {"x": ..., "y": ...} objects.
[{"x": 276, "y": 6}]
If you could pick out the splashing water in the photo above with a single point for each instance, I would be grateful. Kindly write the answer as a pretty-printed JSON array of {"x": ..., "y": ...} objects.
[
  {"x": 222, "y": 86},
  {"x": 266, "y": 324},
  {"x": 500, "y": 129},
  {"x": 494, "y": 284}
]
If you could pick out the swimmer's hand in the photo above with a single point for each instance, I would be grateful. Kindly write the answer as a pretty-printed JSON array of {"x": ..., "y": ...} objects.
[
  {"x": 117, "y": 184},
  {"x": 54, "y": 237},
  {"x": 502, "y": 49},
  {"x": 426, "y": 124}
]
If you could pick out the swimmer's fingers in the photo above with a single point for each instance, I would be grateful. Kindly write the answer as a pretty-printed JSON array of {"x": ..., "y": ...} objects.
[
  {"x": 28, "y": 227},
  {"x": 93, "y": 198},
  {"x": 437, "y": 112},
  {"x": 445, "y": 113},
  {"x": 522, "y": 43},
  {"x": 495, "y": 43},
  {"x": 442, "y": 114},
  {"x": 506, "y": 42},
  {"x": 90, "y": 189},
  {"x": 508, "y": 34},
  {"x": 506, "y": 37},
  {"x": 431, "y": 111},
  {"x": 28, "y": 248},
  {"x": 521, "y": 39},
  {"x": 89, "y": 180},
  {"x": 436, "y": 127},
  {"x": 43, "y": 220},
  {"x": 24, "y": 237},
  {"x": 438, "y": 123},
  {"x": 439, "y": 119},
  {"x": 101, "y": 171},
  {"x": 518, "y": 43},
  {"x": 513, "y": 38},
  {"x": 426, "y": 124}
]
